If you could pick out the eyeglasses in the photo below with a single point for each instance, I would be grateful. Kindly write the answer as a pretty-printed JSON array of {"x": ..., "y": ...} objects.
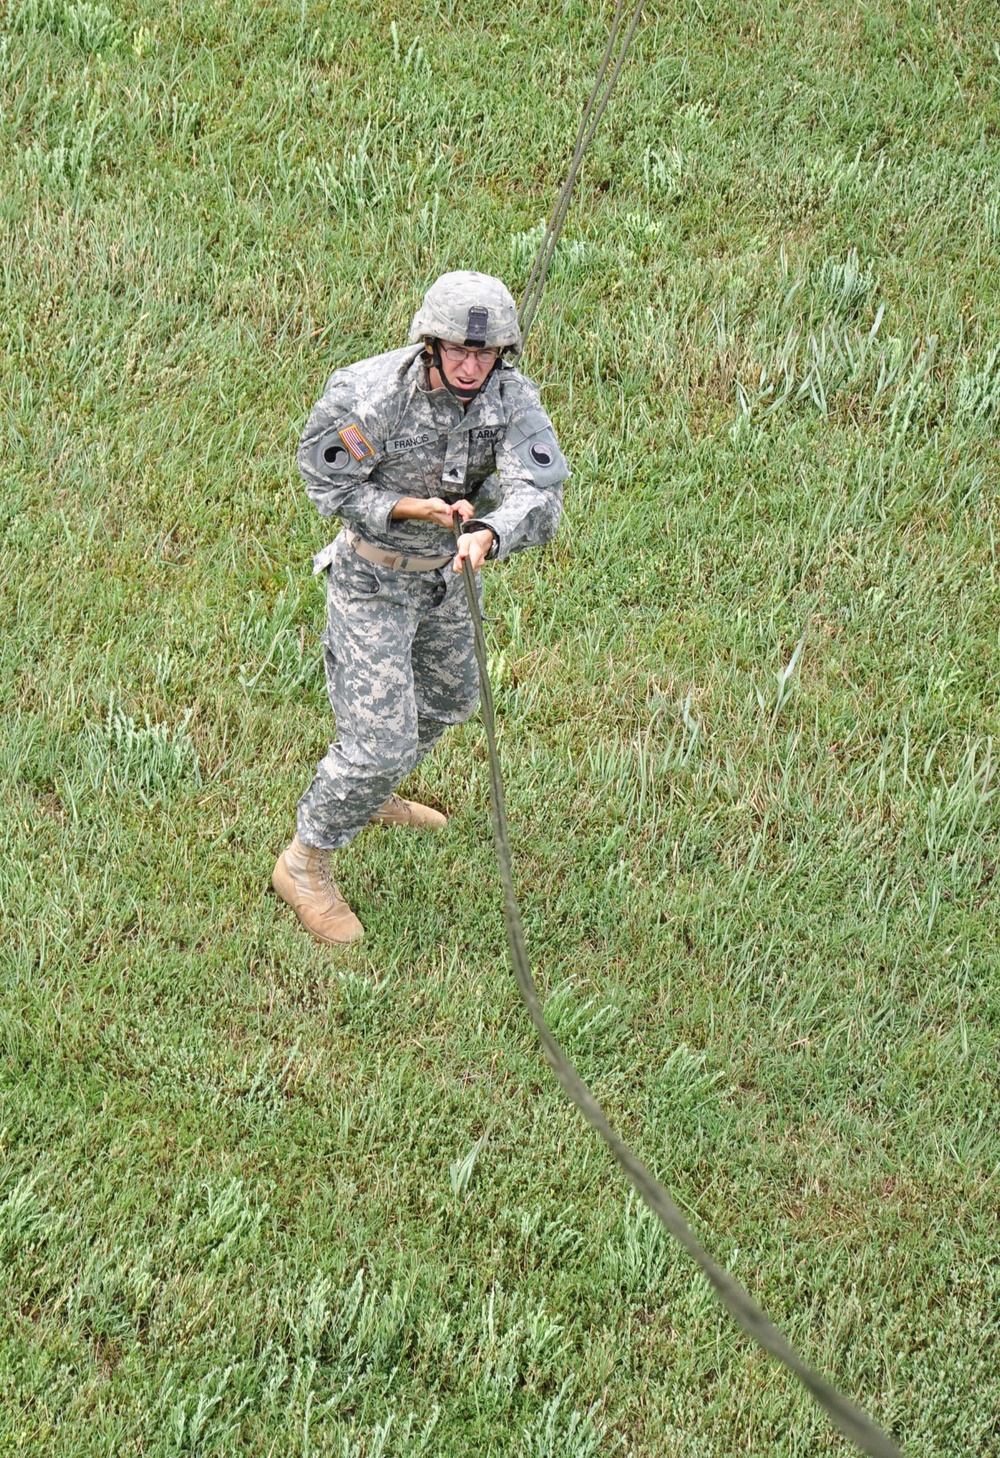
[{"x": 456, "y": 353}]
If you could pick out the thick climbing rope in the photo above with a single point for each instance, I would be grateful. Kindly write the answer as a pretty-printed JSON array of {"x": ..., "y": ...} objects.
[
  {"x": 600, "y": 95},
  {"x": 851, "y": 1420}
]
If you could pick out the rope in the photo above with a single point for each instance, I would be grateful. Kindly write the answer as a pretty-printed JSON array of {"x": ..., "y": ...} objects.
[
  {"x": 852, "y": 1420},
  {"x": 589, "y": 122}
]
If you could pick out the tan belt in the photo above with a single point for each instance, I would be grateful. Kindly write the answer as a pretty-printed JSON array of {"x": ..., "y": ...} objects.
[{"x": 395, "y": 561}]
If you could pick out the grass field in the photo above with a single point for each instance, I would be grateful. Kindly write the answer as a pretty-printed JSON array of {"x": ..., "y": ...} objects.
[{"x": 257, "y": 1199}]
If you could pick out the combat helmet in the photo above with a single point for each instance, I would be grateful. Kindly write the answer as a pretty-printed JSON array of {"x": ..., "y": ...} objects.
[{"x": 467, "y": 308}]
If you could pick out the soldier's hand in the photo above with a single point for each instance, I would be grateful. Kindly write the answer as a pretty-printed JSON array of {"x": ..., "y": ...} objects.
[
  {"x": 474, "y": 545},
  {"x": 433, "y": 508},
  {"x": 444, "y": 512}
]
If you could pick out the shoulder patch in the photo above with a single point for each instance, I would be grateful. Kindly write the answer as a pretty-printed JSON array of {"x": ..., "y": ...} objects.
[
  {"x": 355, "y": 442},
  {"x": 533, "y": 442},
  {"x": 336, "y": 457}
]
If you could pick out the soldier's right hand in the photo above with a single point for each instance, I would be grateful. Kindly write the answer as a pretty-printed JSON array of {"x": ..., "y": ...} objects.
[{"x": 432, "y": 508}]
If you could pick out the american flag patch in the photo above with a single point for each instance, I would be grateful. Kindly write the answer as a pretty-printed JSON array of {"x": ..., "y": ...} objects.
[{"x": 355, "y": 442}]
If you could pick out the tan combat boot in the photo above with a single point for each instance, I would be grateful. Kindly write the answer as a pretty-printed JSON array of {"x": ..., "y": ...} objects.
[
  {"x": 397, "y": 811},
  {"x": 302, "y": 878}
]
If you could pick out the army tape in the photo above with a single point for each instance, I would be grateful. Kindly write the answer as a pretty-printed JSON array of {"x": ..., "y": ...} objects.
[{"x": 852, "y": 1420}]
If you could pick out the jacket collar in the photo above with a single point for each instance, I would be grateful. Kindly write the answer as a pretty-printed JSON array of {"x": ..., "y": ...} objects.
[{"x": 486, "y": 409}]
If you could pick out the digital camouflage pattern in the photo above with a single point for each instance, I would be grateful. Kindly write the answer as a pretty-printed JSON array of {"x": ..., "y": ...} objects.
[
  {"x": 444, "y": 313},
  {"x": 501, "y": 453},
  {"x": 398, "y": 645},
  {"x": 400, "y": 669}
]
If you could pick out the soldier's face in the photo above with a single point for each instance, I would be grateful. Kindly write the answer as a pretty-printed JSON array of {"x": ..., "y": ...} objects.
[{"x": 466, "y": 368}]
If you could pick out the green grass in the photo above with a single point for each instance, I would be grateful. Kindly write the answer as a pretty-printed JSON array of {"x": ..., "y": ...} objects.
[{"x": 258, "y": 1199}]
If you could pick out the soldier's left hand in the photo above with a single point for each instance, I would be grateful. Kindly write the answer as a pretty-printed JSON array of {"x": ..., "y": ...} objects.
[{"x": 474, "y": 545}]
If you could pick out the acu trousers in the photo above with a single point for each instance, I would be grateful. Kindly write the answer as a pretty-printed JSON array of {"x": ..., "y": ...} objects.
[{"x": 400, "y": 668}]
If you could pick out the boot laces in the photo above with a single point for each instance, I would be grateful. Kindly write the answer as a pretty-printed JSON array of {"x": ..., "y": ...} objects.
[{"x": 325, "y": 877}]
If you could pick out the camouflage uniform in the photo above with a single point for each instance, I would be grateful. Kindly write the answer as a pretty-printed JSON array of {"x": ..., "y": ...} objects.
[{"x": 398, "y": 645}]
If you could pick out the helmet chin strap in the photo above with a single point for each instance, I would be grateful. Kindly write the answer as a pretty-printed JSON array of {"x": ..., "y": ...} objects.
[{"x": 465, "y": 393}]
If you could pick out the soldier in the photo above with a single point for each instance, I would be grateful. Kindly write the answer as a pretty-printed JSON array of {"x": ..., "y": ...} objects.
[{"x": 397, "y": 447}]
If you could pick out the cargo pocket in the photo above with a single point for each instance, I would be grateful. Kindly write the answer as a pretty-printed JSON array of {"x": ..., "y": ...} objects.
[{"x": 329, "y": 661}]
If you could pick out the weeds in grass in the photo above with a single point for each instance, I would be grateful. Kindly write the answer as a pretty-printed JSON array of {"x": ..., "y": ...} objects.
[
  {"x": 149, "y": 759},
  {"x": 92, "y": 28},
  {"x": 638, "y": 1261},
  {"x": 556, "y": 1433}
]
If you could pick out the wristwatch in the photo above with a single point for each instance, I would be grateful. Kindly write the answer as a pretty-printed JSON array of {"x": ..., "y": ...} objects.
[{"x": 484, "y": 526}]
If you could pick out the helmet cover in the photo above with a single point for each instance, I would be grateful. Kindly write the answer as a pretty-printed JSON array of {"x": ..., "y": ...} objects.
[{"x": 468, "y": 308}]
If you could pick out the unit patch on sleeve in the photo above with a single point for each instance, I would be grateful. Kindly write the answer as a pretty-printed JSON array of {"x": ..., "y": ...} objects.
[
  {"x": 355, "y": 442},
  {"x": 336, "y": 457}
]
